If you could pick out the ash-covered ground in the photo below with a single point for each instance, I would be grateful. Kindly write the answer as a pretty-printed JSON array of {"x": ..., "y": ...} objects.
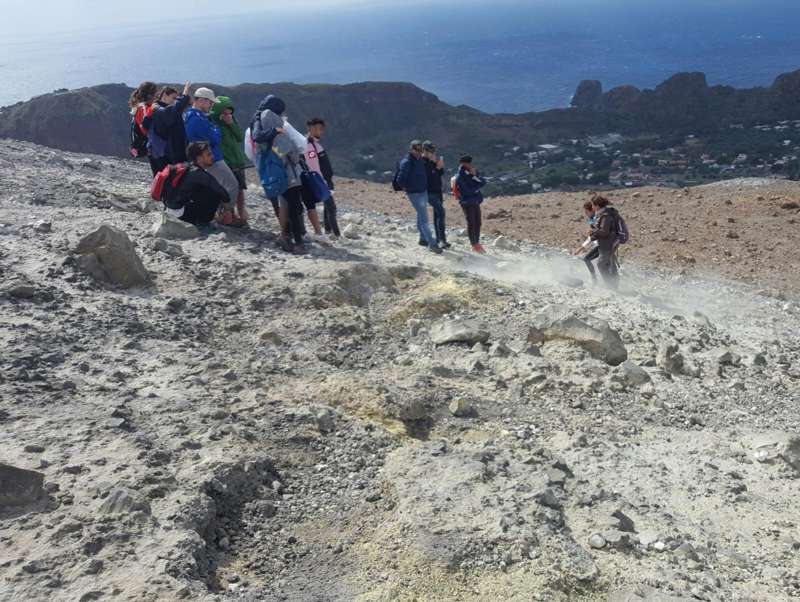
[{"x": 210, "y": 419}]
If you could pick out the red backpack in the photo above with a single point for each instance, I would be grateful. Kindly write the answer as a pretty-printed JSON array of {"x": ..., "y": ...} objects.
[{"x": 166, "y": 182}]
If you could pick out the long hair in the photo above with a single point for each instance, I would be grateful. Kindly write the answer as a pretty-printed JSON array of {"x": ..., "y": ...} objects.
[
  {"x": 146, "y": 93},
  {"x": 600, "y": 201}
]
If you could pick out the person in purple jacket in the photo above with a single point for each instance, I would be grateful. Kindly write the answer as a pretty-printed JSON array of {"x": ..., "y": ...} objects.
[{"x": 199, "y": 128}]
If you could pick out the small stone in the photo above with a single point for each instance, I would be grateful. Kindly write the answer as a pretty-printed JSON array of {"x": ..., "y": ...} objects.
[
  {"x": 597, "y": 541},
  {"x": 34, "y": 449},
  {"x": 461, "y": 408},
  {"x": 94, "y": 566},
  {"x": 351, "y": 232}
]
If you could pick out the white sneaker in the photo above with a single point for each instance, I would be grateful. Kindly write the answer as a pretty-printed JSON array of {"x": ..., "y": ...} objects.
[{"x": 321, "y": 239}]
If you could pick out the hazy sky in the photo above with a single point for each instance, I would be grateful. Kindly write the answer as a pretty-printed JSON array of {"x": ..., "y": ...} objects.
[{"x": 59, "y": 15}]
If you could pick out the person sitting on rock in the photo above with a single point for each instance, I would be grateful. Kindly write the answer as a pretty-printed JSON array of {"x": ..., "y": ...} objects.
[
  {"x": 199, "y": 194},
  {"x": 468, "y": 185},
  {"x": 589, "y": 246},
  {"x": 605, "y": 231}
]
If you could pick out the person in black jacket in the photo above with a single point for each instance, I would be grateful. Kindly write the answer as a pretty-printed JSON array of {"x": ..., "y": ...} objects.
[
  {"x": 434, "y": 168},
  {"x": 167, "y": 123},
  {"x": 605, "y": 231},
  {"x": 199, "y": 194}
]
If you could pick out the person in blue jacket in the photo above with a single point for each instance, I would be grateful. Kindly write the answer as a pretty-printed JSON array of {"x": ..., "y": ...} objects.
[
  {"x": 412, "y": 178},
  {"x": 468, "y": 191},
  {"x": 199, "y": 128}
]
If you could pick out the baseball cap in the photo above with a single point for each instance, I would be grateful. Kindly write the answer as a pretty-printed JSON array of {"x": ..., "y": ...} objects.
[
  {"x": 206, "y": 93},
  {"x": 428, "y": 146},
  {"x": 415, "y": 144}
]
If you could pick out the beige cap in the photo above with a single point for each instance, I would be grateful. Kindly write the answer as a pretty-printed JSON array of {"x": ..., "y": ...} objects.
[{"x": 206, "y": 93}]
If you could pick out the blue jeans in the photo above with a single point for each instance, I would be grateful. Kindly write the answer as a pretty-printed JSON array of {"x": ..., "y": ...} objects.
[{"x": 420, "y": 202}]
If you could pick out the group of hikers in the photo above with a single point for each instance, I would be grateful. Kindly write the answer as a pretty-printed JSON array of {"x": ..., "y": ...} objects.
[{"x": 198, "y": 153}]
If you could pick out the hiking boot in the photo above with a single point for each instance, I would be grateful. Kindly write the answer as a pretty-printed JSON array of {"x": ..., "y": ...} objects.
[
  {"x": 478, "y": 248},
  {"x": 285, "y": 245},
  {"x": 434, "y": 248},
  {"x": 422, "y": 243}
]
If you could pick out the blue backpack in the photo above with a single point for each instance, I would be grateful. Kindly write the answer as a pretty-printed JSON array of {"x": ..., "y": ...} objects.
[
  {"x": 273, "y": 174},
  {"x": 314, "y": 185}
]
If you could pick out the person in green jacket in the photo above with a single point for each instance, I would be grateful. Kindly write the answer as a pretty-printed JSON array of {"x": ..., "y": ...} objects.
[{"x": 232, "y": 149}]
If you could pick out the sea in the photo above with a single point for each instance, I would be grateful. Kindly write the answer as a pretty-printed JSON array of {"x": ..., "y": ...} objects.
[{"x": 500, "y": 56}]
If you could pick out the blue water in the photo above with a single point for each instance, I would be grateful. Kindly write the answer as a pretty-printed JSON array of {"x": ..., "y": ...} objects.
[{"x": 503, "y": 56}]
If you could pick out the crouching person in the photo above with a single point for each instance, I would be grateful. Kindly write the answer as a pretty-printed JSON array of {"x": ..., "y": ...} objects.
[{"x": 200, "y": 196}]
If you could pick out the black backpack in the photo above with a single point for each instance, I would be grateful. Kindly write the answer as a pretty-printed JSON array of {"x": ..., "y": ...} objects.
[
  {"x": 138, "y": 140},
  {"x": 396, "y": 185}
]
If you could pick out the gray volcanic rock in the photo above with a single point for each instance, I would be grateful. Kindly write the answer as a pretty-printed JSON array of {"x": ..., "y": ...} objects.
[
  {"x": 459, "y": 331},
  {"x": 109, "y": 256},
  {"x": 595, "y": 336},
  {"x": 19, "y": 487}
]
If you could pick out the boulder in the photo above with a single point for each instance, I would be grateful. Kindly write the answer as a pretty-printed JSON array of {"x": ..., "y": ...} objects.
[
  {"x": 19, "y": 487},
  {"x": 167, "y": 226},
  {"x": 595, "y": 336},
  {"x": 634, "y": 375},
  {"x": 109, "y": 256},
  {"x": 121, "y": 500},
  {"x": 461, "y": 408},
  {"x": 459, "y": 331}
]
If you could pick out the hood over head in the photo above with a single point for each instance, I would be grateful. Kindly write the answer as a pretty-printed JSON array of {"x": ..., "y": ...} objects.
[{"x": 223, "y": 103}]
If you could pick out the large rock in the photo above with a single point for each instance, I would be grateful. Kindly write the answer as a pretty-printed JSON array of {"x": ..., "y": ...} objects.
[
  {"x": 175, "y": 229},
  {"x": 595, "y": 336},
  {"x": 459, "y": 331},
  {"x": 109, "y": 256},
  {"x": 19, "y": 487}
]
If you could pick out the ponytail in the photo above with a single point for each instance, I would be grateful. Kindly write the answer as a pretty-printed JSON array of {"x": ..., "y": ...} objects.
[{"x": 145, "y": 93}]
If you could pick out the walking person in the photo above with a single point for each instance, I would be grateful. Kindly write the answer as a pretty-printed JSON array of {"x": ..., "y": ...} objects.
[
  {"x": 222, "y": 114},
  {"x": 467, "y": 189},
  {"x": 167, "y": 122},
  {"x": 606, "y": 232},
  {"x": 199, "y": 128},
  {"x": 434, "y": 170},
  {"x": 412, "y": 179},
  {"x": 589, "y": 246},
  {"x": 141, "y": 106},
  {"x": 318, "y": 160}
]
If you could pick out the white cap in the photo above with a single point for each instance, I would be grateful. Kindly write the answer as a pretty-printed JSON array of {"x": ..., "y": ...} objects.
[{"x": 206, "y": 93}]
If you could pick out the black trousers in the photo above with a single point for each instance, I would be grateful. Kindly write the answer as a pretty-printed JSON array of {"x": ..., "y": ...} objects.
[
  {"x": 329, "y": 218},
  {"x": 156, "y": 165},
  {"x": 294, "y": 200},
  {"x": 436, "y": 200},
  {"x": 200, "y": 213},
  {"x": 473, "y": 215},
  {"x": 589, "y": 258}
]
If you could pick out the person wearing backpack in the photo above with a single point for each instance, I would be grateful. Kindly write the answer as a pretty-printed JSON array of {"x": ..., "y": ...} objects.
[
  {"x": 468, "y": 185},
  {"x": 318, "y": 160},
  {"x": 222, "y": 114},
  {"x": 167, "y": 123},
  {"x": 199, "y": 195},
  {"x": 434, "y": 170},
  {"x": 199, "y": 128},
  {"x": 606, "y": 231},
  {"x": 280, "y": 171},
  {"x": 412, "y": 179},
  {"x": 589, "y": 246},
  {"x": 141, "y": 106}
]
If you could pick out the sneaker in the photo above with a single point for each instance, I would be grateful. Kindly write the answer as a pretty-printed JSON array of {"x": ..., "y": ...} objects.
[
  {"x": 445, "y": 245},
  {"x": 478, "y": 248},
  {"x": 321, "y": 239},
  {"x": 422, "y": 243},
  {"x": 435, "y": 249},
  {"x": 299, "y": 250}
]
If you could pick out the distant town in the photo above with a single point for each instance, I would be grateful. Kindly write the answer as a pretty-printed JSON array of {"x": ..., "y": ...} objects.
[{"x": 616, "y": 161}]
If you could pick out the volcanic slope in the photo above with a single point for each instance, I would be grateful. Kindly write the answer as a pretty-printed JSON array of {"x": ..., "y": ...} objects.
[{"x": 371, "y": 421}]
